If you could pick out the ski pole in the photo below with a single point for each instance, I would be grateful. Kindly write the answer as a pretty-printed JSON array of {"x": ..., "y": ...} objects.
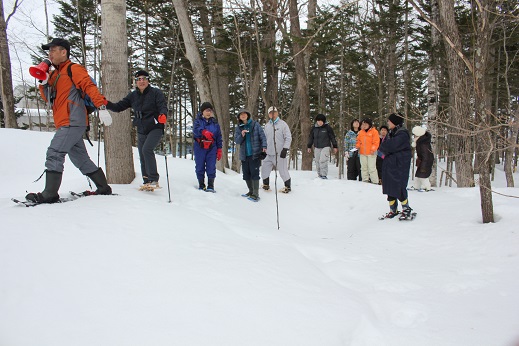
[
  {"x": 276, "y": 173},
  {"x": 167, "y": 176},
  {"x": 98, "y": 145}
]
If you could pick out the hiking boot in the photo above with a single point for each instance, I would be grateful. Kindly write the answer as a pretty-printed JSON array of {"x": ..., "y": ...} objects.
[
  {"x": 287, "y": 188},
  {"x": 50, "y": 193},
  {"x": 99, "y": 178}
]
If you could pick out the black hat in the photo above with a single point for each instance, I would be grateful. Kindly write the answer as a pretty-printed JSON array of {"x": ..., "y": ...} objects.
[
  {"x": 384, "y": 127},
  {"x": 321, "y": 117},
  {"x": 244, "y": 111},
  {"x": 57, "y": 42},
  {"x": 396, "y": 119},
  {"x": 206, "y": 105},
  {"x": 368, "y": 121},
  {"x": 141, "y": 73}
]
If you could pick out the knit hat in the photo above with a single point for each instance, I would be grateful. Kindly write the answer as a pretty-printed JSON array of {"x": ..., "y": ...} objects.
[
  {"x": 141, "y": 73},
  {"x": 418, "y": 131},
  {"x": 244, "y": 111},
  {"x": 396, "y": 119},
  {"x": 206, "y": 105},
  {"x": 320, "y": 117},
  {"x": 367, "y": 121},
  {"x": 272, "y": 109}
]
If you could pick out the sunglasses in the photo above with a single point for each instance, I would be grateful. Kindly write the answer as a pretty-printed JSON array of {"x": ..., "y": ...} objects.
[{"x": 141, "y": 78}]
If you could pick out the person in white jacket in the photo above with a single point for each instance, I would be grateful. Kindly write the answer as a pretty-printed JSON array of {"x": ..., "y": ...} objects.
[{"x": 279, "y": 139}]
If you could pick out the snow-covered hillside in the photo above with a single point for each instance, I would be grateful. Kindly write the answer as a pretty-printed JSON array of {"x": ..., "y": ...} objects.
[{"x": 213, "y": 269}]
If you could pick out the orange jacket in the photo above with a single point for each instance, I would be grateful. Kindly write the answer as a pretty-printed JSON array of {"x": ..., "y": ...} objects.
[
  {"x": 368, "y": 141},
  {"x": 68, "y": 107}
]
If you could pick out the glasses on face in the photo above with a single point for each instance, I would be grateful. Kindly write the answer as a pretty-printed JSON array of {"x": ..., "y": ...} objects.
[{"x": 141, "y": 78}]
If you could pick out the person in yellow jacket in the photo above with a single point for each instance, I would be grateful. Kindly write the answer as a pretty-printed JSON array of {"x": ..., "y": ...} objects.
[{"x": 368, "y": 141}]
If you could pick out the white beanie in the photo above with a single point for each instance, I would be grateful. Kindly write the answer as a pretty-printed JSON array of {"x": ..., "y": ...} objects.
[{"x": 418, "y": 131}]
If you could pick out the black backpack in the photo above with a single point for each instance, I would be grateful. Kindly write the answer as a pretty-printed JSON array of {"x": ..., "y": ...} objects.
[{"x": 89, "y": 104}]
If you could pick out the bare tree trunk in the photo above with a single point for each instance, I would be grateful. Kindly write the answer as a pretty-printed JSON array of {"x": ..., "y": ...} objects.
[
  {"x": 459, "y": 93},
  {"x": 433, "y": 93},
  {"x": 482, "y": 106},
  {"x": 6, "y": 81},
  {"x": 270, "y": 7},
  {"x": 217, "y": 70},
  {"x": 391, "y": 67},
  {"x": 192, "y": 52},
  {"x": 301, "y": 106},
  {"x": 118, "y": 142}
]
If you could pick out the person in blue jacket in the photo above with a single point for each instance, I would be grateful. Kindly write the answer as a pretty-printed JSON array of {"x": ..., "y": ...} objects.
[
  {"x": 207, "y": 146},
  {"x": 395, "y": 167},
  {"x": 253, "y": 147}
]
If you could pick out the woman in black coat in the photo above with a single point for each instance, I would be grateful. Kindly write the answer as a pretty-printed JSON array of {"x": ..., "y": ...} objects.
[
  {"x": 395, "y": 167},
  {"x": 425, "y": 158}
]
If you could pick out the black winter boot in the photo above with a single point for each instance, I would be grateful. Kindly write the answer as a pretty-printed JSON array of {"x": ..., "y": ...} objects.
[
  {"x": 266, "y": 185},
  {"x": 99, "y": 178},
  {"x": 210, "y": 184},
  {"x": 201, "y": 184},
  {"x": 287, "y": 187},
  {"x": 50, "y": 193}
]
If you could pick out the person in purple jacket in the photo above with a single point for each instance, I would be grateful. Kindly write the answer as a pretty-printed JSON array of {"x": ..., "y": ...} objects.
[{"x": 207, "y": 146}]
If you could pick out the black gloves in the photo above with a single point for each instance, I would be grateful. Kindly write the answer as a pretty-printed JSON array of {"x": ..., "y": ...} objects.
[{"x": 283, "y": 153}]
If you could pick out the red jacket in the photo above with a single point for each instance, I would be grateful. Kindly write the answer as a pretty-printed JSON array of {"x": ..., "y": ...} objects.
[{"x": 68, "y": 107}]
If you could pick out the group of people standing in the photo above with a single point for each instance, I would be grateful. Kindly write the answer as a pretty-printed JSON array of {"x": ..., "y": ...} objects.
[
  {"x": 385, "y": 158},
  {"x": 263, "y": 147},
  {"x": 370, "y": 155}
]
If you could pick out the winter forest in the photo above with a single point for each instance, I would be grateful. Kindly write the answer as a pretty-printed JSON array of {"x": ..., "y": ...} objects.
[{"x": 450, "y": 66}]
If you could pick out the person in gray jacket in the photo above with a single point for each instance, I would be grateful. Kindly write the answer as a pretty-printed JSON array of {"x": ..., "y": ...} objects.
[
  {"x": 279, "y": 139},
  {"x": 322, "y": 138},
  {"x": 253, "y": 146},
  {"x": 149, "y": 110}
]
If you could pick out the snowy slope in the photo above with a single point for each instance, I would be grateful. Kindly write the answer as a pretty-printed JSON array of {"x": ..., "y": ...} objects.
[{"x": 213, "y": 269}]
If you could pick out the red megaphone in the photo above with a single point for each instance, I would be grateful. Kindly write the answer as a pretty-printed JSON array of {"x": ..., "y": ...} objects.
[{"x": 40, "y": 71}]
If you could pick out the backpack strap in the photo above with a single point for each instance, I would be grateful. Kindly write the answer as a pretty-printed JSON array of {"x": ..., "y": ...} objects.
[{"x": 69, "y": 73}]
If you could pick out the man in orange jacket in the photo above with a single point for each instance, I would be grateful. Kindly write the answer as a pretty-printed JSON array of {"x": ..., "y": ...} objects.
[
  {"x": 367, "y": 143},
  {"x": 62, "y": 93}
]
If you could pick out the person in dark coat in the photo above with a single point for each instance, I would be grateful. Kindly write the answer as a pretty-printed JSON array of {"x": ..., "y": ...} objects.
[
  {"x": 425, "y": 158},
  {"x": 253, "y": 147},
  {"x": 395, "y": 167},
  {"x": 351, "y": 152},
  {"x": 149, "y": 111},
  {"x": 380, "y": 155},
  {"x": 322, "y": 138},
  {"x": 207, "y": 146}
]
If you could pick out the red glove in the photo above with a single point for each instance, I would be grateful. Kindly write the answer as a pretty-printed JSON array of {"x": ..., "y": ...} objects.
[
  {"x": 219, "y": 154},
  {"x": 208, "y": 135},
  {"x": 162, "y": 118}
]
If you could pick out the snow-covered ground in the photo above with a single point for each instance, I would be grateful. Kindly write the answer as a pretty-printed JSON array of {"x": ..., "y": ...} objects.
[{"x": 214, "y": 269}]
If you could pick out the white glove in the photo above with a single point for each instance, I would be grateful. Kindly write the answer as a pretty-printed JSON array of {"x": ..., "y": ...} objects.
[
  {"x": 105, "y": 118},
  {"x": 43, "y": 82}
]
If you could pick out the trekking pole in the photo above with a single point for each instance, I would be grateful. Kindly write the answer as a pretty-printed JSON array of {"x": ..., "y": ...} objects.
[
  {"x": 276, "y": 172},
  {"x": 167, "y": 175},
  {"x": 98, "y": 144}
]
